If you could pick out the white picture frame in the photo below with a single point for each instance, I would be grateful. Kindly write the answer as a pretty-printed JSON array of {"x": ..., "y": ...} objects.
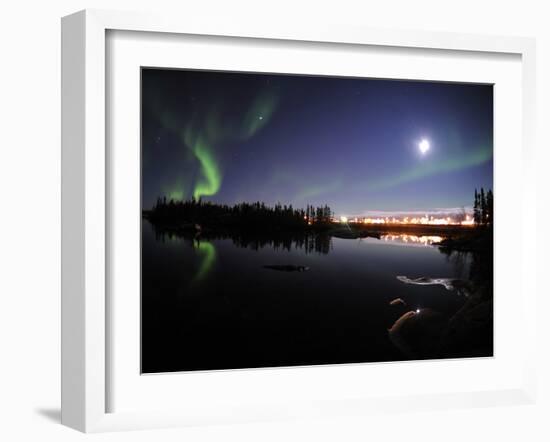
[{"x": 85, "y": 210}]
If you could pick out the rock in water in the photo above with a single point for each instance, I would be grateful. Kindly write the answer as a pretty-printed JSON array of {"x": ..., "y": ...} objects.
[
  {"x": 418, "y": 334},
  {"x": 463, "y": 287},
  {"x": 398, "y": 301},
  {"x": 287, "y": 268}
]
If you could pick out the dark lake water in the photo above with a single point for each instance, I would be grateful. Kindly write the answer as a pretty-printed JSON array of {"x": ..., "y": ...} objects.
[{"x": 211, "y": 304}]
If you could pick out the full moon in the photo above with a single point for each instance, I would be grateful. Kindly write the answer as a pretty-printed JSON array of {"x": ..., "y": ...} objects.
[{"x": 424, "y": 146}]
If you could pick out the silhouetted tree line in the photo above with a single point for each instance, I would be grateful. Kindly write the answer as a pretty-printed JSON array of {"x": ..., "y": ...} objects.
[
  {"x": 257, "y": 215},
  {"x": 483, "y": 207}
]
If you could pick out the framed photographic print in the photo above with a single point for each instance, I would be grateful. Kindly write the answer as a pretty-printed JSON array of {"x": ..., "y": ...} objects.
[
  {"x": 273, "y": 205},
  {"x": 267, "y": 223}
]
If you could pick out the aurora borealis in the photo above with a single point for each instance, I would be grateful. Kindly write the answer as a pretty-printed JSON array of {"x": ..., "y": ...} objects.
[{"x": 349, "y": 143}]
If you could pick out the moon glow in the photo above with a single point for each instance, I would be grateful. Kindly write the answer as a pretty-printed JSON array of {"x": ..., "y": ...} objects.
[{"x": 424, "y": 146}]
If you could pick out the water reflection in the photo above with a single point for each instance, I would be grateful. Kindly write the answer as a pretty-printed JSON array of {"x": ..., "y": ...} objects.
[
  {"x": 310, "y": 242},
  {"x": 207, "y": 252},
  {"x": 423, "y": 240},
  {"x": 320, "y": 243}
]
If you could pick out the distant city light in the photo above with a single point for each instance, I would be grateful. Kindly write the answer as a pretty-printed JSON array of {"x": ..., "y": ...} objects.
[
  {"x": 417, "y": 310},
  {"x": 464, "y": 220}
]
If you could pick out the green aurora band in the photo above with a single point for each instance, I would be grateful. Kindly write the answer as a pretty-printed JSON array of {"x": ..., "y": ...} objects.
[
  {"x": 175, "y": 192},
  {"x": 475, "y": 158},
  {"x": 310, "y": 192},
  {"x": 200, "y": 137},
  {"x": 176, "y": 195},
  {"x": 211, "y": 179}
]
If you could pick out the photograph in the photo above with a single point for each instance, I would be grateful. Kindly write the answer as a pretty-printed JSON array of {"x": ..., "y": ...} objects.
[{"x": 301, "y": 220}]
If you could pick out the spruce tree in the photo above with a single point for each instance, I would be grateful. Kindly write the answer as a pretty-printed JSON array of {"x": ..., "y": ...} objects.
[{"x": 476, "y": 208}]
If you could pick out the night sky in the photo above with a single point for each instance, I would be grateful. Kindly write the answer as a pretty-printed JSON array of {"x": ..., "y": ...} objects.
[{"x": 350, "y": 143}]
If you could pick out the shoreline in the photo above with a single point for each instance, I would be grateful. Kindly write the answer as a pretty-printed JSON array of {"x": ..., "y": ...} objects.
[{"x": 453, "y": 237}]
